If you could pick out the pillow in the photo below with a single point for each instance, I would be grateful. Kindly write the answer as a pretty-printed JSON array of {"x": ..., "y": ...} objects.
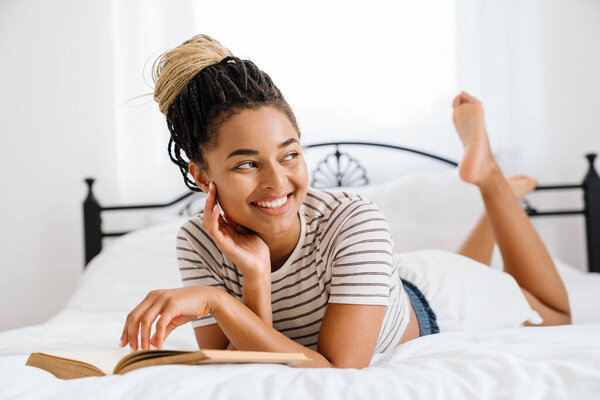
[
  {"x": 433, "y": 210},
  {"x": 127, "y": 268},
  {"x": 465, "y": 294},
  {"x": 426, "y": 210}
]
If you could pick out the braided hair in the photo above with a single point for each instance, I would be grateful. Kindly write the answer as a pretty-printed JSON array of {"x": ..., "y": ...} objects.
[{"x": 198, "y": 86}]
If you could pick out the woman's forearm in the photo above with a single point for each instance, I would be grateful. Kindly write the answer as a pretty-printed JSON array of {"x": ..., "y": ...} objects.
[
  {"x": 256, "y": 295},
  {"x": 246, "y": 331}
]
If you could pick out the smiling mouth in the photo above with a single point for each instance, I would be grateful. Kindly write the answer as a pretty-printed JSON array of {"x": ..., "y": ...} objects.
[{"x": 273, "y": 204}]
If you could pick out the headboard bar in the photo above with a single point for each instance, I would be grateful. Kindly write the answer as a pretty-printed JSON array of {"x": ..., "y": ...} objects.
[
  {"x": 590, "y": 186},
  {"x": 552, "y": 187},
  {"x": 146, "y": 206},
  {"x": 92, "y": 220},
  {"x": 92, "y": 223},
  {"x": 385, "y": 145},
  {"x": 591, "y": 198}
]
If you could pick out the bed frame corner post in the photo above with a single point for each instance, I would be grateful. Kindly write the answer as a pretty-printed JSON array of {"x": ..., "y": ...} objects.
[
  {"x": 92, "y": 224},
  {"x": 591, "y": 193}
]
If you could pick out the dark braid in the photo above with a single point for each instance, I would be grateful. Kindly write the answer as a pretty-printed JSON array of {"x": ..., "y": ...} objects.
[{"x": 213, "y": 95}]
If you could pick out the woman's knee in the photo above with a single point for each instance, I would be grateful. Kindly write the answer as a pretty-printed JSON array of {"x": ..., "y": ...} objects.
[{"x": 549, "y": 315}]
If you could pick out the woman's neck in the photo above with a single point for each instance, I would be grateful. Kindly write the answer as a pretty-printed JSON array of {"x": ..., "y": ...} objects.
[{"x": 281, "y": 245}]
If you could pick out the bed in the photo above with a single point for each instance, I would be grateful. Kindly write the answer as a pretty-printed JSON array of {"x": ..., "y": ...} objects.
[{"x": 533, "y": 362}]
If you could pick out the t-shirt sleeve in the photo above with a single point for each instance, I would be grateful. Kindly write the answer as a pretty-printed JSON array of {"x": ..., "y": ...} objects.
[
  {"x": 362, "y": 258},
  {"x": 198, "y": 265}
]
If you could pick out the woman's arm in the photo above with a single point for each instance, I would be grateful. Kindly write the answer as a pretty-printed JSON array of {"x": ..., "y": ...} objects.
[
  {"x": 246, "y": 331},
  {"x": 347, "y": 336},
  {"x": 348, "y": 333},
  {"x": 248, "y": 252},
  {"x": 256, "y": 295}
]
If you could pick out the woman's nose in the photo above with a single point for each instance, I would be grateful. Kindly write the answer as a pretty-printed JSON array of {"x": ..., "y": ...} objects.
[{"x": 273, "y": 176}]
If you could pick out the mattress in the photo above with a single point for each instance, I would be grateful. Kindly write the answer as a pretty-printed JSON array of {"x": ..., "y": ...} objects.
[{"x": 533, "y": 362}]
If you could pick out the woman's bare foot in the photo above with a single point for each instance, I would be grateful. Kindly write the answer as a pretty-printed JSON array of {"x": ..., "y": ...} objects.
[
  {"x": 468, "y": 119},
  {"x": 521, "y": 185}
]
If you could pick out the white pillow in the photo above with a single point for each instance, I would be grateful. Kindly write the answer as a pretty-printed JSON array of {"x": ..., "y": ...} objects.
[
  {"x": 465, "y": 294},
  {"x": 426, "y": 210}
]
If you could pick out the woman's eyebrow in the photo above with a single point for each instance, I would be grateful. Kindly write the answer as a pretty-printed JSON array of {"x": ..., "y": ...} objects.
[
  {"x": 242, "y": 152},
  {"x": 287, "y": 143},
  {"x": 250, "y": 152}
]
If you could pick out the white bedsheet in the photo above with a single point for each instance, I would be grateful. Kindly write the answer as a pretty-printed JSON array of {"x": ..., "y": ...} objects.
[{"x": 523, "y": 363}]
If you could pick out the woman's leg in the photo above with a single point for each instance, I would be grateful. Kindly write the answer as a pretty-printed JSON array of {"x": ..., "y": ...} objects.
[
  {"x": 524, "y": 255},
  {"x": 479, "y": 245}
]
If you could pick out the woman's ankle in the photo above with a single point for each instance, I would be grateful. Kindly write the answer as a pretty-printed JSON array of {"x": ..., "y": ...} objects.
[
  {"x": 486, "y": 170},
  {"x": 492, "y": 179}
]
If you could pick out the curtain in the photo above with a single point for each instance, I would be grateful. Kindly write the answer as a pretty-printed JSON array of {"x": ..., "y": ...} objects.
[
  {"x": 141, "y": 31},
  {"x": 501, "y": 61},
  {"x": 386, "y": 71}
]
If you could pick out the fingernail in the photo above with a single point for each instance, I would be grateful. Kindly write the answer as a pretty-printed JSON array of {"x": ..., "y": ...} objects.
[{"x": 210, "y": 185}]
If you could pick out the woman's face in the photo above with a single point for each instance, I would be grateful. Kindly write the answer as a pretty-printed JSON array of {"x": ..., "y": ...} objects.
[{"x": 259, "y": 170}]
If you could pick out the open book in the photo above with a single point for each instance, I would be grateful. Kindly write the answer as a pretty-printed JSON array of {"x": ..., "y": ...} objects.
[{"x": 81, "y": 364}]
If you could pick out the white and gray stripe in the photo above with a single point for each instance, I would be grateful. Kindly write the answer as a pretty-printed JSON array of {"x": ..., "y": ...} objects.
[{"x": 345, "y": 254}]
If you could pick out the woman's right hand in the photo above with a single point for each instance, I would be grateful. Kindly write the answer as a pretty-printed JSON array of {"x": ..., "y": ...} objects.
[{"x": 242, "y": 246}]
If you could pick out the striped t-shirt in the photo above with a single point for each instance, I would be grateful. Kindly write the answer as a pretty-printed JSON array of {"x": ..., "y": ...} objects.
[{"x": 345, "y": 254}]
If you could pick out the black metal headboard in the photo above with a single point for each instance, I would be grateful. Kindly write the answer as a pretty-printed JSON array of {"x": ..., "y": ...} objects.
[{"x": 340, "y": 169}]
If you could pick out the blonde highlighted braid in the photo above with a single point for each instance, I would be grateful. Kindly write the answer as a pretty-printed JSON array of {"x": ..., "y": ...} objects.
[{"x": 198, "y": 86}]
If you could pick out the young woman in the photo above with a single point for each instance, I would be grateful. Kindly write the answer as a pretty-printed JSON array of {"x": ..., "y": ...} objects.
[{"x": 288, "y": 268}]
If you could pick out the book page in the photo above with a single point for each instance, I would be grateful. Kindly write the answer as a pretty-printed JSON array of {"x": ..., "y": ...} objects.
[{"x": 105, "y": 361}]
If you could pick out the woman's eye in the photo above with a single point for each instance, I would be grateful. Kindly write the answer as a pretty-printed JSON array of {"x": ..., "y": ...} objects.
[
  {"x": 245, "y": 165},
  {"x": 290, "y": 156}
]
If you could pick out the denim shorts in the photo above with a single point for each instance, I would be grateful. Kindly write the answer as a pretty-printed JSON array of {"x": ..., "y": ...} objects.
[{"x": 425, "y": 315}]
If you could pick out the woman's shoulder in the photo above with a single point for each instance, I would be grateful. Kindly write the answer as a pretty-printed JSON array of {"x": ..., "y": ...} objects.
[
  {"x": 193, "y": 233},
  {"x": 329, "y": 213},
  {"x": 192, "y": 224},
  {"x": 336, "y": 201}
]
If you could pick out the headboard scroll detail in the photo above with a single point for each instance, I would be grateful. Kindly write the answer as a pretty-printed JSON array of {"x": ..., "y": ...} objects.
[{"x": 341, "y": 169}]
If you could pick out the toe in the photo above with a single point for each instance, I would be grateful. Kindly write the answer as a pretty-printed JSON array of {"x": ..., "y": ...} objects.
[{"x": 456, "y": 101}]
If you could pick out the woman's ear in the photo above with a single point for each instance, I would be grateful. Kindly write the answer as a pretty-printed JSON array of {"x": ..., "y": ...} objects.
[{"x": 199, "y": 176}]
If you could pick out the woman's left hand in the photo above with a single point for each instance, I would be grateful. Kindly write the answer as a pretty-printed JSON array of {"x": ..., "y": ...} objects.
[{"x": 175, "y": 306}]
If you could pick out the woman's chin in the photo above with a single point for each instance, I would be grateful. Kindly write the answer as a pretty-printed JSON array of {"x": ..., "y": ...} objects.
[{"x": 273, "y": 227}]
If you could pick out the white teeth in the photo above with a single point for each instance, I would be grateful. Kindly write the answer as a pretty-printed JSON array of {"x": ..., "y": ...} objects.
[{"x": 273, "y": 204}]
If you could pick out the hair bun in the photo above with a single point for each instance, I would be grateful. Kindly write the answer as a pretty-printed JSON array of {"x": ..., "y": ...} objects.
[{"x": 173, "y": 69}]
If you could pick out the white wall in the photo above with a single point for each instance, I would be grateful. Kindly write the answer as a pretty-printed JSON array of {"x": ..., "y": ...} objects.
[{"x": 57, "y": 126}]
